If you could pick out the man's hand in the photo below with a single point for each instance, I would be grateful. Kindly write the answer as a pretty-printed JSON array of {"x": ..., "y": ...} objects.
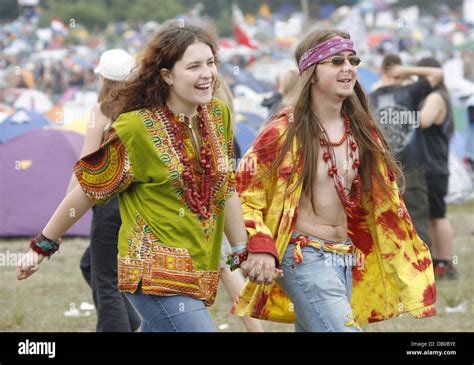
[
  {"x": 260, "y": 268},
  {"x": 28, "y": 264}
]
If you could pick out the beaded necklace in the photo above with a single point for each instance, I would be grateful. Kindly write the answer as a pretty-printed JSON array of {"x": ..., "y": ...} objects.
[
  {"x": 330, "y": 158},
  {"x": 197, "y": 177}
]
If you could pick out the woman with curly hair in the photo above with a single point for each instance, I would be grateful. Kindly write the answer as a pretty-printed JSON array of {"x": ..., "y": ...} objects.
[
  {"x": 168, "y": 156},
  {"x": 99, "y": 262}
]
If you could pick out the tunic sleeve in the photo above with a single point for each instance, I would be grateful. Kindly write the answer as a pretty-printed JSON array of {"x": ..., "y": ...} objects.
[{"x": 105, "y": 172}]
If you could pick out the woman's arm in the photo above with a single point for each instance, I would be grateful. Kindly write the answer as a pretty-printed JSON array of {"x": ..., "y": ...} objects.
[
  {"x": 99, "y": 182},
  {"x": 234, "y": 226},
  {"x": 433, "y": 111},
  {"x": 259, "y": 267},
  {"x": 71, "y": 209},
  {"x": 93, "y": 138}
]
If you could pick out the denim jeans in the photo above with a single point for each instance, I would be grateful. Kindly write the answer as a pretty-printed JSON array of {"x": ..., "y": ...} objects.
[
  {"x": 176, "y": 313},
  {"x": 320, "y": 289}
]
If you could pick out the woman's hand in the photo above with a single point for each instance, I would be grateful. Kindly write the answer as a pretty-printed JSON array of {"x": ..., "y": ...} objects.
[
  {"x": 28, "y": 264},
  {"x": 260, "y": 268}
]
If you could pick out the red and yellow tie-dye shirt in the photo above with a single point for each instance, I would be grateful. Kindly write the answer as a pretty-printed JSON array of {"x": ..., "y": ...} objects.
[{"x": 397, "y": 275}]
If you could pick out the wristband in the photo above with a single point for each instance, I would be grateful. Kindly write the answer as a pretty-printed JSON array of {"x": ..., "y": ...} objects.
[
  {"x": 44, "y": 246},
  {"x": 235, "y": 259},
  {"x": 239, "y": 247}
]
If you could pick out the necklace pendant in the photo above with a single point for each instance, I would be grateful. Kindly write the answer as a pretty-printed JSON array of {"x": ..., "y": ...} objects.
[{"x": 190, "y": 126}]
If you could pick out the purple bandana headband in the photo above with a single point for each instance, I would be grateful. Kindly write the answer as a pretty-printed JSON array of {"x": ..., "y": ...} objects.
[{"x": 324, "y": 50}]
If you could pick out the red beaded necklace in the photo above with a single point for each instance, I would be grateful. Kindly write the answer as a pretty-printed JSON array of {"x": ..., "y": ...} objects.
[
  {"x": 197, "y": 177},
  {"x": 330, "y": 158}
]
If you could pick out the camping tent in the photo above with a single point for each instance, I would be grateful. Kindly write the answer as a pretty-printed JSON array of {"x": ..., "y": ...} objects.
[
  {"x": 245, "y": 135},
  {"x": 367, "y": 78},
  {"x": 35, "y": 169},
  {"x": 20, "y": 122},
  {"x": 34, "y": 100}
]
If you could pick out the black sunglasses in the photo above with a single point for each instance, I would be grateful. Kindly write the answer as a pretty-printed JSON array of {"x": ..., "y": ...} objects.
[{"x": 339, "y": 60}]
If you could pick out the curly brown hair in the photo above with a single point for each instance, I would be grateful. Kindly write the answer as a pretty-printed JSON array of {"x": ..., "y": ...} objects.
[
  {"x": 146, "y": 88},
  {"x": 108, "y": 87}
]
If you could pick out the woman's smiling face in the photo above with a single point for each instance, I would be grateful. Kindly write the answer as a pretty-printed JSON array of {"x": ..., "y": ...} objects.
[{"x": 192, "y": 77}]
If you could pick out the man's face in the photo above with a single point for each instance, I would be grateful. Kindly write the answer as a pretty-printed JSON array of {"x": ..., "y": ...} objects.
[
  {"x": 334, "y": 80},
  {"x": 391, "y": 77}
]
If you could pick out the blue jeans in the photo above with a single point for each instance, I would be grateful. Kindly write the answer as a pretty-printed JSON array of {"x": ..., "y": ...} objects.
[
  {"x": 320, "y": 289},
  {"x": 176, "y": 313}
]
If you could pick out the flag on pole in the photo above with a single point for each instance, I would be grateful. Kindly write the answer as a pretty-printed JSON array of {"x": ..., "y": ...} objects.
[{"x": 242, "y": 33}]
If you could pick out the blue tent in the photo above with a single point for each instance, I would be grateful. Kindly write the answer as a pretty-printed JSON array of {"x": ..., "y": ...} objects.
[
  {"x": 243, "y": 77},
  {"x": 20, "y": 122},
  {"x": 244, "y": 135},
  {"x": 457, "y": 145},
  {"x": 250, "y": 119},
  {"x": 367, "y": 78}
]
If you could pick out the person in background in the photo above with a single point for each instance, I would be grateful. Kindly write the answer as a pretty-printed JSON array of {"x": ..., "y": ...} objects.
[
  {"x": 99, "y": 261},
  {"x": 396, "y": 108},
  {"x": 286, "y": 82},
  {"x": 469, "y": 158},
  {"x": 233, "y": 280},
  {"x": 224, "y": 93},
  {"x": 437, "y": 122}
]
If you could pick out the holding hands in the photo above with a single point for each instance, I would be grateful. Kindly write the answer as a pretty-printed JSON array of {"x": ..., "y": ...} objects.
[{"x": 260, "y": 268}]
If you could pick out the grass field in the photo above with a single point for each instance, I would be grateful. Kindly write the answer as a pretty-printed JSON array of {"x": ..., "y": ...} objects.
[{"x": 38, "y": 304}]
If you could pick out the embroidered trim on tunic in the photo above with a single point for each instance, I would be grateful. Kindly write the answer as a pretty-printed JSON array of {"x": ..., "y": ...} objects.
[
  {"x": 158, "y": 128},
  {"x": 163, "y": 270},
  {"x": 106, "y": 172}
]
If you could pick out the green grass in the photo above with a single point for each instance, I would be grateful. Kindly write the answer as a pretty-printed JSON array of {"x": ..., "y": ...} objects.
[{"x": 38, "y": 304}]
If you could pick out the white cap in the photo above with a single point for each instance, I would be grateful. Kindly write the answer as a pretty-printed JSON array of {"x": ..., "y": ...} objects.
[{"x": 116, "y": 65}]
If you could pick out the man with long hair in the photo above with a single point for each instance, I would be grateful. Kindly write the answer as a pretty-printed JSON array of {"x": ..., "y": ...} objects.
[{"x": 320, "y": 201}]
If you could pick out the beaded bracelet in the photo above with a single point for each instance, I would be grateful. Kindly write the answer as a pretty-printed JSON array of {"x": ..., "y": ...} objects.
[
  {"x": 44, "y": 246},
  {"x": 235, "y": 259}
]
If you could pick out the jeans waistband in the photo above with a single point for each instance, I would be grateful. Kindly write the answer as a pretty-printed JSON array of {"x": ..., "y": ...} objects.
[
  {"x": 301, "y": 240},
  {"x": 296, "y": 234}
]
